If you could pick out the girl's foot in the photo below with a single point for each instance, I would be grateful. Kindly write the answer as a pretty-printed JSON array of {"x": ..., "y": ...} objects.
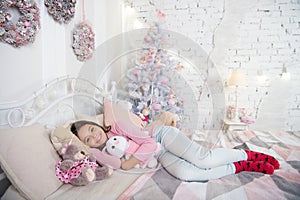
[
  {"x": 254, "y": 166},
  {"x": 257, "y": 156}
]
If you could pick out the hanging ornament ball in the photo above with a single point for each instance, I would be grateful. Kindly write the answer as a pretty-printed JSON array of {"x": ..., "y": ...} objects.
[
  {"x": 149, "y": 58},
  {"x": 160, "y": 14},
  {"x": 147, "y": 39},
  {"x": 156, "y": 106},
  {"x": 24, "y": 30},
  {"x": 61, "y": 10},
  {"x": 165, "y": 81},
  {"x": 171, "y": 102},
  {"x": 83, "y": 41}
]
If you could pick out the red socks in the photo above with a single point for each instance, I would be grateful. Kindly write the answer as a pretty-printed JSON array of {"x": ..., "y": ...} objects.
[
  {"x": 257, "y": 162},
  {"x": 257, "y": 156},
  {"x": 254, "y": 166}
]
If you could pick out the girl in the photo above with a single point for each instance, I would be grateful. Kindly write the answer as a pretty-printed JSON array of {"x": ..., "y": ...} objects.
[{"x": 180, "y": 156}]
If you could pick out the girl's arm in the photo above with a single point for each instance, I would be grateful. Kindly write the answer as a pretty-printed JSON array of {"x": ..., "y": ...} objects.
[
  {"x": 105, "y": 159},
  {"x": 146, "y": 144},
  {"x": 130, "y": 163}
]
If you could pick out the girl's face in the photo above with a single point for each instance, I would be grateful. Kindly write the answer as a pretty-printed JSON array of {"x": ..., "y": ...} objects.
[{"x": 92, "y": 135}]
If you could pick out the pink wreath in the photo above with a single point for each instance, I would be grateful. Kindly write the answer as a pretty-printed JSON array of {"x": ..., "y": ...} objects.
[
  {"x": 61, "y": 10},
  {"x": 24, "y": 31}
]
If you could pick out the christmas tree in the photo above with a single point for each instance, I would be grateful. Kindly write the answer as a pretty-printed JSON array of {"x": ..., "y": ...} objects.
[{"x": 148, "y": 78}]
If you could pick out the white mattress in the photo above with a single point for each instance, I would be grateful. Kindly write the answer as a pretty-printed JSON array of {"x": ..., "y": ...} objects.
[{"x": 109, "y": 189}]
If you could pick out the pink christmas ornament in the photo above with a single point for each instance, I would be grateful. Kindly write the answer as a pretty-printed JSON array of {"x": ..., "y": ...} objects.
[
  {"x": 147, "y": 39},
  {"x": 156, "y": 106},
  {"x": 149, "y": 58},
  {"x": 171, "y": 102},
  {"x": 165, "y": 81},
  {"x": 152, "y": 52},
  {"x": 160, "y": 14}
]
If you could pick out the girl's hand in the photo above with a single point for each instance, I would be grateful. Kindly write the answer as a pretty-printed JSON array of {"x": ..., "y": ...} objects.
[
  {"x": 130, "y": 163},
  {"x": 122, "y": 161}
]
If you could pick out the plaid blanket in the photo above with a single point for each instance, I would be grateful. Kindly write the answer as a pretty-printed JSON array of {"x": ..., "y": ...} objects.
[{"x": 283, "y": 184}]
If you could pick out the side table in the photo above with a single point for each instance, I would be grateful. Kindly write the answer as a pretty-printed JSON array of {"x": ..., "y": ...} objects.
[{"x": 234, "y": 126}]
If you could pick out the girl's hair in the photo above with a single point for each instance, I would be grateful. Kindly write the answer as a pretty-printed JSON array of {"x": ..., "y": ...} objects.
[{"x": 78, "y": 124}]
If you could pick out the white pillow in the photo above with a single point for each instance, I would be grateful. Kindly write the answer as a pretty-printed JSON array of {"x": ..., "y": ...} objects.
[{"x": 28, "y": 159}]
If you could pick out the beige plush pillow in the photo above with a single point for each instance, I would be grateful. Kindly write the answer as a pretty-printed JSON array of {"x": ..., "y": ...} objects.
[
  {"x": 28, "y": 159},
  {"x": 62, "y": 135},
  {"x": 114, "y": 112}
]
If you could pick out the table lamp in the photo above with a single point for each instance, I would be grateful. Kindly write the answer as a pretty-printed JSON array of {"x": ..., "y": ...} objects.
[{"x": 236, "y": 79}]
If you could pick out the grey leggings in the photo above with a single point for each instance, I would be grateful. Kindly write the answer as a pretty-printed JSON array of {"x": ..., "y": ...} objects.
[{"x": 189, "y": 161}]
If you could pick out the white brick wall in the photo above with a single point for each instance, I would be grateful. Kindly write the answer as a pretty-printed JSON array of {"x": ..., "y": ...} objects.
[{"x": 252, "y": 36}]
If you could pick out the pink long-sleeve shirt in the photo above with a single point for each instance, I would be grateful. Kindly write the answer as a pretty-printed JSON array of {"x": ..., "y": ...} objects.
[
  {"x": 126, "y": 129},
  {"x": 131, "y": 132}
]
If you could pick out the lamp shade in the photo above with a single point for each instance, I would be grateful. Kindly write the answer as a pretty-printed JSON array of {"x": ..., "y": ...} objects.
[{"x": 236, "y": 79}]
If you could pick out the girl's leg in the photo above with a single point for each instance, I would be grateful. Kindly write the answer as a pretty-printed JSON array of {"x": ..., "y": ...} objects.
[
  {"x": 177, "y": 143},
  {"x": 186, "y": 171}
]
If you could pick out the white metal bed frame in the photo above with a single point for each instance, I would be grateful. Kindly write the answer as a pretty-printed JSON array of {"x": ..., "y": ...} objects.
[
  {"x": 62, "y": 91},
  {"x": 58, "y": 97}
]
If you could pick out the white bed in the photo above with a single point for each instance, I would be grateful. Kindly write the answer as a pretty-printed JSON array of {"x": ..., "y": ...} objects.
[
  {"x": 28, "y": 157},
  {"x": 59, "y": 101}
]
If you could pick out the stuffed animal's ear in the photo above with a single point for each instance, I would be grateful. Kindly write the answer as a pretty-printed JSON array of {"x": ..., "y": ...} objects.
[
  {"x": 63, "y": 150},
  {"x": 92, "y": 158}
]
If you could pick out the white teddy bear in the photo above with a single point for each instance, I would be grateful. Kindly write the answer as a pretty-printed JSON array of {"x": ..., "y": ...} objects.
[{"x": 119, "y": 146}]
